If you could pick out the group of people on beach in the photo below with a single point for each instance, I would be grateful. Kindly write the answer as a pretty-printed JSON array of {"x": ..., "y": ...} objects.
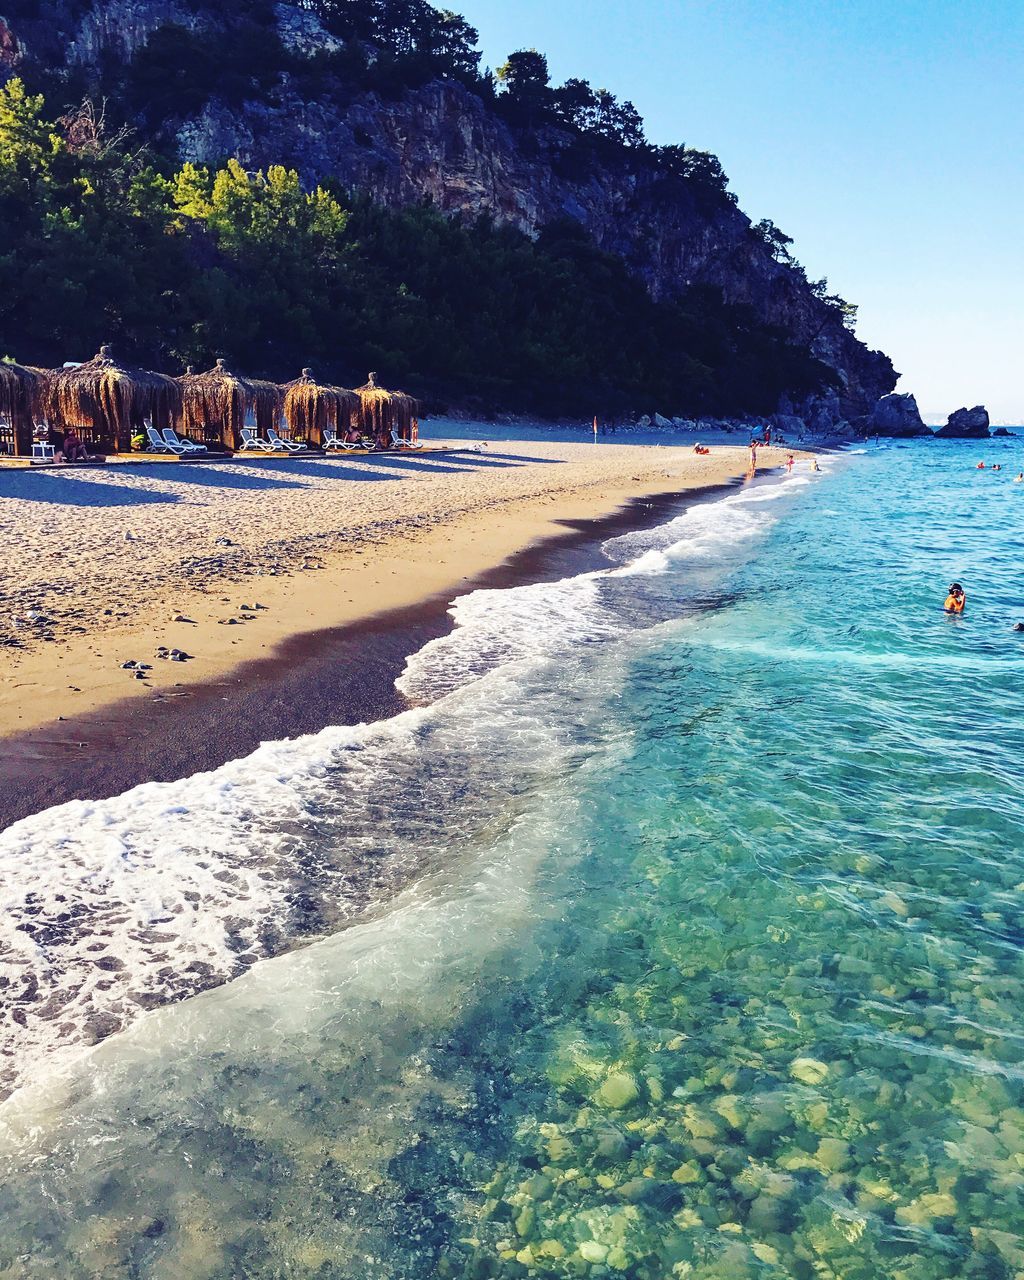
[{"x": 756, "y": 444}]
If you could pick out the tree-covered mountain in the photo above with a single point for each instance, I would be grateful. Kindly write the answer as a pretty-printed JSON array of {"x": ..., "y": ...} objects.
[{"x": 340, "y": 181}]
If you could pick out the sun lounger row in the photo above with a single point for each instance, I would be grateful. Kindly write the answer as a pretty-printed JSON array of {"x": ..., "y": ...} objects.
[
  {"x": 171, "y": 442},
  {"x": 275, "y": 443}
]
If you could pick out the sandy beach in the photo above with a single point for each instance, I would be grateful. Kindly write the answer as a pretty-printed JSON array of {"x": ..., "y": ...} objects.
[{"x": 225, "y": 561}]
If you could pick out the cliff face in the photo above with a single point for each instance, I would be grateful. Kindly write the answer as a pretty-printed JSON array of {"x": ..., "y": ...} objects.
[{"x": 445, "y": 144}]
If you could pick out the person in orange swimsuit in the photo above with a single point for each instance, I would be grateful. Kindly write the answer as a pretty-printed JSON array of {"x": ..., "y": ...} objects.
[{"x": 956, "y": 599}]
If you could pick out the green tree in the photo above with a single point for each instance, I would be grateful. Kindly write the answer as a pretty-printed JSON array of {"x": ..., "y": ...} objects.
[
  {"x": 526, "y": 86},
  {"x": 777, "y": 241}
]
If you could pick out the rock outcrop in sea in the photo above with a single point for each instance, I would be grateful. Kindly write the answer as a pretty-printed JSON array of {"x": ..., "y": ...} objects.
[
  {"x": 967, "y": 424},
  {"x": 897, "y": 415}
]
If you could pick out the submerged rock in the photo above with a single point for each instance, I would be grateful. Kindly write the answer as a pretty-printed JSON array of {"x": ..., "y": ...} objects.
[
  {"x": 618, "y": 1091},
  {"x": 966, "y": 424}
]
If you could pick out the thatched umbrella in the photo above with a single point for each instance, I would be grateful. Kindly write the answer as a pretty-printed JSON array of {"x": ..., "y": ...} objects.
[
  {"x": 106, "y": 402},
  {"x": 384, "y": 413},
  {"x": 311, "y": 407},
  {"x": 19, "y": 388},
  {"x": 217, "y": 404}
]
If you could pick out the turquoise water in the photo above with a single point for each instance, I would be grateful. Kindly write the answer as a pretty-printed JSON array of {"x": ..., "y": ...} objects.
[{"x": 718, "y": 970}]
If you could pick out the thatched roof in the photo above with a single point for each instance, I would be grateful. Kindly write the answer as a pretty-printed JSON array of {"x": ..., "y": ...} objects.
[
  {"x": 107, "y": 399},
  {"x": 311, "y": 407},
  {"x": 18, "y": 390},
  {"x": 222, "y": 400},
  {"x": 383, "y": 411}
]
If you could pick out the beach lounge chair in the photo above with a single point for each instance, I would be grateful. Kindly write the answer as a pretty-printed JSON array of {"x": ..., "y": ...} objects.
[
  {"x": 279, "y": 442},
  {"x": 159, "y": 445},
  {"x": 331, "y": 440},
  {"x": 251, "y": 441},
  {"x": 174, "y": 441}
]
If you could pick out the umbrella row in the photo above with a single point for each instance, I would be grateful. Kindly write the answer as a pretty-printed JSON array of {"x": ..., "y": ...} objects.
[{"x": 109, "y": 404}]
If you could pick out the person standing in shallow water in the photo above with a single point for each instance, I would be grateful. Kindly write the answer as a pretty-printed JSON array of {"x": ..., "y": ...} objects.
[{"x": 956, "y": 600}]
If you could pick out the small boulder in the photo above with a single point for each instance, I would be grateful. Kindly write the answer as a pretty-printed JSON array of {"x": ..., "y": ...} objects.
[
  {"x": 1002, "y": 431},
  {"x": 966, "y": 424},
  {"x": 659, "y": 421}
]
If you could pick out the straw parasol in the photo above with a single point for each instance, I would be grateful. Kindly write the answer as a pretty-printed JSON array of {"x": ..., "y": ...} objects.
[
  {"x": 311, "y": 407},
  {"x": 107, "y": 402},
  {"x": 217, "y": 404},
  {"x": 386, "y": 413},
  {"x": 18, "y": 390}
]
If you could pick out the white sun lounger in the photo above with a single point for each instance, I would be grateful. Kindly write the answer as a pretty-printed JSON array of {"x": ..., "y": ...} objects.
[
  {"x": 159, "y": 445},
  {"x": 279, "y": 442},
  {"x": 333, "y": 441},
  {"x": 250, "y": 440},
  {"x": 174, "y": 441}
]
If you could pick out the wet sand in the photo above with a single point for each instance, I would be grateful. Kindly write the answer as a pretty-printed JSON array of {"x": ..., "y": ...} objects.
[{"x": 328, "y": 645}]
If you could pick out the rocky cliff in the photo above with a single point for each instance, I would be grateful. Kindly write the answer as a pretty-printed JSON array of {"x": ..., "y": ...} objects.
[{"x": 442, "y": 142}]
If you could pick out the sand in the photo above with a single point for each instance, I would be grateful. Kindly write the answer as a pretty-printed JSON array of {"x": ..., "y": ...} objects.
[{"x": 227, "y": 560}]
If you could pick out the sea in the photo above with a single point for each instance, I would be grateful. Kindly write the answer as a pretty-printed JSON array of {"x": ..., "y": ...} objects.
[{"x": 675, "y": 930}]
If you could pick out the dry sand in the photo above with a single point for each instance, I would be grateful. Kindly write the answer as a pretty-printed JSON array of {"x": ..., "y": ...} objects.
[{"x": 98, "y": 564}]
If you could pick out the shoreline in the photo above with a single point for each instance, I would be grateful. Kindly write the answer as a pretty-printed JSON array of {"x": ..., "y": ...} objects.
[{"x": 282, "y": 682}]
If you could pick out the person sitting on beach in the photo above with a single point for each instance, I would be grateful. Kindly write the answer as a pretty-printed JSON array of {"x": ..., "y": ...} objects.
[
  {"x": 956, "y": 599},
  {"x": 814, "y": 465},
  {"x": 73, "y": 448}
]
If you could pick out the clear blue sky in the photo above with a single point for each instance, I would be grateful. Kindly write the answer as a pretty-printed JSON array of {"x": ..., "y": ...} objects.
[{"x": 886, "y": 138}]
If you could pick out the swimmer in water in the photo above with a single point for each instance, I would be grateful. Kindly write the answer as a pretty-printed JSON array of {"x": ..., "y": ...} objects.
[
  {"x": 980, "y": 466},
  {"x": 956, "y": 600},
  {"x": 814, "y": 465},
  {"x": 1019, "y": 478}
]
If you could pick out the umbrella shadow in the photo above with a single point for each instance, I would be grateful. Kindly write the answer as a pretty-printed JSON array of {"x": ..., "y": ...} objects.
[
  {"x": 208, "y": 475},
  {"x": 77, "y": 491},
  {"x": 317, "y": 468}
]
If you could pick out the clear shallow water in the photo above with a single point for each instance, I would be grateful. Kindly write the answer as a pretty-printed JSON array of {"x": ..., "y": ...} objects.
[{"x": 706, "y": 959}]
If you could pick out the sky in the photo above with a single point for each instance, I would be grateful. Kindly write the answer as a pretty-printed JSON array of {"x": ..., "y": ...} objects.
[{"x": 886, "y": 138}]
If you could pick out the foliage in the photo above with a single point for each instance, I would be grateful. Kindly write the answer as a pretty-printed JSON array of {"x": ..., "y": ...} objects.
[
  {"x": 777, "y": 241},
  {"x": 181, "y": 267}
]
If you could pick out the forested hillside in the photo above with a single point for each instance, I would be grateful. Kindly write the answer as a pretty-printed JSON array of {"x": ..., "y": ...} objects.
[{"x": 341, "y": 182}]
